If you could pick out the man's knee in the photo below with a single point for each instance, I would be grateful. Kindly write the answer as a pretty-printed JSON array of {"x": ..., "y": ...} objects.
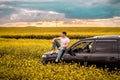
[{"x": 54, "y": 42}]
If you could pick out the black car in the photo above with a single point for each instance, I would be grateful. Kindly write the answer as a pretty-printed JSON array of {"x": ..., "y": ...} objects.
[{"x": 98, "y": 49}]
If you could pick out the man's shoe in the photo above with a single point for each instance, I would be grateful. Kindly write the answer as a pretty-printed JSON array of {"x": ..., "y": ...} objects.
[
  {"x": 52, "y": 52},
  {"x": 57, "y": 60}
]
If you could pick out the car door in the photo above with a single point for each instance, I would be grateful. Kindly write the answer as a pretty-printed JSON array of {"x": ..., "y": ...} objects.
[
  {"x": 67, "y": 57},
  {"x": 106, "y": 51},
  {"x": 82, "y": 51},
  {"x": 119, "y": 51}
]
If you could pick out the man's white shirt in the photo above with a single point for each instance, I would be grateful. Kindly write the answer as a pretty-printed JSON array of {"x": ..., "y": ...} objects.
[{"x": 64, "y": 41}]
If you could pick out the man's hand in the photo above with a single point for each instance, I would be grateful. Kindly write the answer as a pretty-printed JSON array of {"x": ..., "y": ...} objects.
[
  {"x": 65, "y": 46},
  {"x": 59, "y": 48},
  {"x": 53, "y": 40}
]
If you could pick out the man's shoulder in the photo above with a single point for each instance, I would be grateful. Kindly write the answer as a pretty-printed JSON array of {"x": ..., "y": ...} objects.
[{"x": 67, "y": 38}]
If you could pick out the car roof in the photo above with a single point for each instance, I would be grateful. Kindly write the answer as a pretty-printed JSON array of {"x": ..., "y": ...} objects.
[{"x": 104, "y": 37}]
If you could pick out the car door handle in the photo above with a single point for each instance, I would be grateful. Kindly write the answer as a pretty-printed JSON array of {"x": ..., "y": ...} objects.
[
  {"x": 73, "y": 54},
  {"x": 112, "y": 58},
  {"x": 85, "y": 57}
]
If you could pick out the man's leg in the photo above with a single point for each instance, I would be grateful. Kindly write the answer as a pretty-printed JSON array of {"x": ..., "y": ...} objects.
[
  {"x": 55, "y": 44},
  {"x": 61, "y": 51}
]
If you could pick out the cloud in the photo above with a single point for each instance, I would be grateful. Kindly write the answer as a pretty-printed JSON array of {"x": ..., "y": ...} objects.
[
  {"x": 31, "y": 0},
  {"x": 35, "y": 15},
  {"x": 115, "y": 1}
]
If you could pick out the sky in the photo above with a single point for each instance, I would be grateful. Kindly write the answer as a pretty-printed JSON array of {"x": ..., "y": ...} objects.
[{"x": 39, "y": 10}]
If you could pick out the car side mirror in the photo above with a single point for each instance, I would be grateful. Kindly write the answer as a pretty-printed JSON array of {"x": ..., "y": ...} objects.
[{"x": 69, "y": 50}]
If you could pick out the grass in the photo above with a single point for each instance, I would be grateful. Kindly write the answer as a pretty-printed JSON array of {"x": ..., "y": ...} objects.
[{"x": 20, "y": 58}]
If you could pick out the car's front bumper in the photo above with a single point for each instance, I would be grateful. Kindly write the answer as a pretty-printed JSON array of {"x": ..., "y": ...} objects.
[{"x": 48, "y": 57}]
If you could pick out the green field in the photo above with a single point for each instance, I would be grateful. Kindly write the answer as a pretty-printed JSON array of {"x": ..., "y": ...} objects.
[{"x": 21, "y": 50}]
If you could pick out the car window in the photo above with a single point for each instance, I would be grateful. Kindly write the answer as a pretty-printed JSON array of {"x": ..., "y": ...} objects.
[
  {"x": 104, "y": 46},
  {"x": 83, "y": 47},
  {"x": 119, "y": 46}
]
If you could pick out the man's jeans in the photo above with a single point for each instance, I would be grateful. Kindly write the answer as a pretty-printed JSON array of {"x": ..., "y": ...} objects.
[{"x": 61, "y": 51}]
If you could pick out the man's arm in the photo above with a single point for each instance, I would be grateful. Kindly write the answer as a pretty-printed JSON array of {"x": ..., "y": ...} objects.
[{"x": 58, "y": 38}]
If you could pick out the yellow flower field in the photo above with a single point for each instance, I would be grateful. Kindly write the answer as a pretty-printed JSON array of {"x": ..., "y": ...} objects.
[
  {"x": 20, "y": 59},
  {"x": 49, "y": 33}
]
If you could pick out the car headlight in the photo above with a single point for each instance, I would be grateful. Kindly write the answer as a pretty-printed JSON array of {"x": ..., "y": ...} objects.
[{"x": 44, "y": 56}]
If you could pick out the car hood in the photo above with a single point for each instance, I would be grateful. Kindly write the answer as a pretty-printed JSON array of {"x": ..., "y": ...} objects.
[{"x": 48, "y": 54}]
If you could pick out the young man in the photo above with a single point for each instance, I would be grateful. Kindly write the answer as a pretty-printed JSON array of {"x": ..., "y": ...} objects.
[{"x": 64, "y": 43}]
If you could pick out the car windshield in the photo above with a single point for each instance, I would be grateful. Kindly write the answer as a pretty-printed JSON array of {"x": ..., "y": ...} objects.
[{"x": 82, "y": 47}]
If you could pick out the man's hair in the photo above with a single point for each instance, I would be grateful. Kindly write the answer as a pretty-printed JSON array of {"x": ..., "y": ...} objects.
[{"x": 64, "y": 33}]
